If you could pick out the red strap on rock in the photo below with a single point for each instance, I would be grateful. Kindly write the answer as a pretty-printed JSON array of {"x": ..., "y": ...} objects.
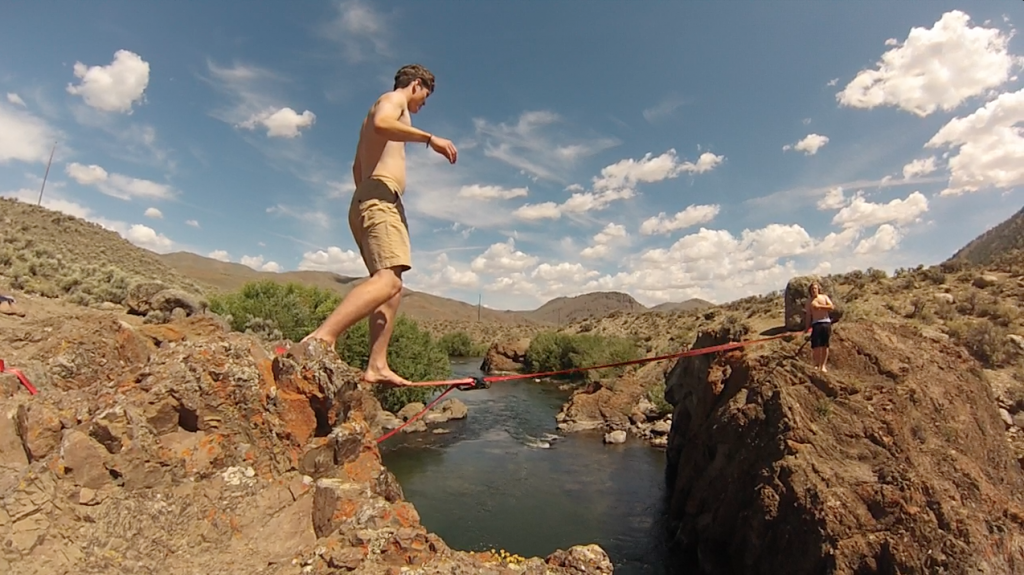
[{"x": 21, "y": 377}]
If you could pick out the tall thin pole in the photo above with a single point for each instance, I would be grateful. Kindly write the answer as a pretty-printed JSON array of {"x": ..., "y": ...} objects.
[{"x": 47, "y": 173}]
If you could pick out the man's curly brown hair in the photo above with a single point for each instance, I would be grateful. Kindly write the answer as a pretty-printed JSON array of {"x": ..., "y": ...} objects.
[{"x": 408, "y": 74}]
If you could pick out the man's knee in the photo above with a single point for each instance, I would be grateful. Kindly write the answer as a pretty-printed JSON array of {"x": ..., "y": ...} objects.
[{"x": 390, "y": 279}]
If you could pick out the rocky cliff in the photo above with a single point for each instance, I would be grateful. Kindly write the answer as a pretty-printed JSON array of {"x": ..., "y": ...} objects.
[
  {"x": 181, "y": 449},
  {"x": 896, "y": 461}
]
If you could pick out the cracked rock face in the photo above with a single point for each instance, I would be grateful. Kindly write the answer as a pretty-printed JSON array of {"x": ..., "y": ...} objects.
[
  {"x": 180, "y": 449},
  {"x": 895, "y": 461}
]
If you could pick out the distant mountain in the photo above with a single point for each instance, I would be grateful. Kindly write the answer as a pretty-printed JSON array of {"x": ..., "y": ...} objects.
[
  {"x": 690, "y": 304},
  {"x": 1005, "y": 237},
  {"x": 594, "y": 305},
  {"x": 227, "y": 276}
]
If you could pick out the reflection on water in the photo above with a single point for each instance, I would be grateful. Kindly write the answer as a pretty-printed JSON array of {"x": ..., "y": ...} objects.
[{"x": 504, "y": 478}]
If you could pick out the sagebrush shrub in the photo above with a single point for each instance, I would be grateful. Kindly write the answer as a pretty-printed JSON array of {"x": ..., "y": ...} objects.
[
  {"x": 552, "y": 351},
  {"x": 293, "y": 310}
]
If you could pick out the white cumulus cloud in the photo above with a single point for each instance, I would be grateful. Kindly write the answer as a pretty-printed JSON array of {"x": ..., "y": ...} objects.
[
  {"x": 219, "y": 255},
  {"x": 15, "y": 99},
  {"x": 920, "y": 167},
  {"x": 282, "y": 123},
  {"x": 502, "y": 257},
  {"x": 990, "y": 146},
  {"x": 334, "y": 259},
  {"x": 618, "y": 181},
  {"x": 23, "y": 136},
  {"x": 118, "y": 185},
  {"x": 257, "y": 263},
  {"x": 886, "y": 238},
  {"x": 114, "y": 87},
  {"x": 861, "y": 213},
  {"x": 443, "y": 276},
  {"x": 833, "y": 199},
  {"x": 629, "y": 172},
  {"x": 479, "y": 192},
  {"x": 936, "y": 68},
  {"x": 154, "y": 213},
  {"x": 691, "y": 216},
  {"x": 603, "y": 240},
  {"x": 542, "y": 211},
  {"x": 148, "y": 238},
  {"x": 809, "y": 145}
]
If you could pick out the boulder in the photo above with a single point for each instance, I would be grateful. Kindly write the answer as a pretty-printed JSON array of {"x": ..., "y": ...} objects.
[
  {"x": 205, "y": 450},
  {"x": 615, "y": 437},
  {"x": 505, "y": 357},
  {"x": 598, "y": 407},
  {"x": 796, "y": 300},
  {"x": 896, "y": 461},
  {"x": 447, "y": 410},
  {"x": 984, "y": 281},
  {"x": 155, "y": 300}
]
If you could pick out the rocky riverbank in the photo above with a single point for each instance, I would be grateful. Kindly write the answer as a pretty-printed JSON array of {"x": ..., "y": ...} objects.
[
  {"x": 894, "y": 461},
  {"x": 157, "y": 448}
]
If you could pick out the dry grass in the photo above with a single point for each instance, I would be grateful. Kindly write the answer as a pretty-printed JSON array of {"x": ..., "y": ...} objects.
[
  {"x": 56, "y": 255},
  {"x": 945, "y": 299}
]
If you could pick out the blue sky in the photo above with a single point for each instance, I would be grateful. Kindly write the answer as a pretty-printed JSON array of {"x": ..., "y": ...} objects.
[{"x": 669, "y": 150}]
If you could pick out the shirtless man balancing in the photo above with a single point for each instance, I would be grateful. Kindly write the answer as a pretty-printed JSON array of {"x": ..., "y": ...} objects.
[
  {"x": 820, "y": 324},
  {"x": 377, "y": 217}
]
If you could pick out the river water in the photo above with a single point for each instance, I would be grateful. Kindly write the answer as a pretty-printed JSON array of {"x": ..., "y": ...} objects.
[{"x": 504, "y": 478}]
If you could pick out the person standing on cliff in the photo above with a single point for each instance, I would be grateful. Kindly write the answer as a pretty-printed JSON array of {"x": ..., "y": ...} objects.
[
  {"x": 818, "y": 320},
  {"x": 377, "y": 217}
]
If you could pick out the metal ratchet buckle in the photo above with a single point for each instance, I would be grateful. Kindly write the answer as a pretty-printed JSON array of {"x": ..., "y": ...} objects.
[{"x": 478, "y": 383}]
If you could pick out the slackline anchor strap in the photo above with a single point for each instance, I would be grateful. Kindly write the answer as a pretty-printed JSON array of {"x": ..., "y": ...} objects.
[{"x": 478, "y": 383}]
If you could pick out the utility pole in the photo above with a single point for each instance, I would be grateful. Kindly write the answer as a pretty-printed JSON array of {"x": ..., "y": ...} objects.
[{"x": 45, "y": 174}]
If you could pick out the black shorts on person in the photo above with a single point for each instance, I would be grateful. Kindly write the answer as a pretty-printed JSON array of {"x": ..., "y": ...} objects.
[{"x": 821, "y": 332}]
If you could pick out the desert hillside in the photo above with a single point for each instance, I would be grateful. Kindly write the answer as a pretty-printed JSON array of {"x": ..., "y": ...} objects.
[
  {"x": 227, "y": 276},
  {"x": 564, "y": 310},
  {"x": 1006, "y": 237},
  {"x": 437, "y": 310},
  {"x": 57, "y": 255},
  {"x": 690, "y": 304}
]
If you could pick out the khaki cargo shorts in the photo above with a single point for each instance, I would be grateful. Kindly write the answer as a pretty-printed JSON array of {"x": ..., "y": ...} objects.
[{"x": 378, "y": 223}]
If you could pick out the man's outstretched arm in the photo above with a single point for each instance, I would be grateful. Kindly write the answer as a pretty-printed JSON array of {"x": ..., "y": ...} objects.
[{"x": 386, "y": 121}]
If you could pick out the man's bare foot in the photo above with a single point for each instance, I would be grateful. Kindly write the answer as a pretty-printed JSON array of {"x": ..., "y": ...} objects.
[
  {"x": 8, "y": 308},
  {"x": 824, "y": 369},
  {"x": 384, "y": 377},
  {"x": 315, "y": 336}
]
